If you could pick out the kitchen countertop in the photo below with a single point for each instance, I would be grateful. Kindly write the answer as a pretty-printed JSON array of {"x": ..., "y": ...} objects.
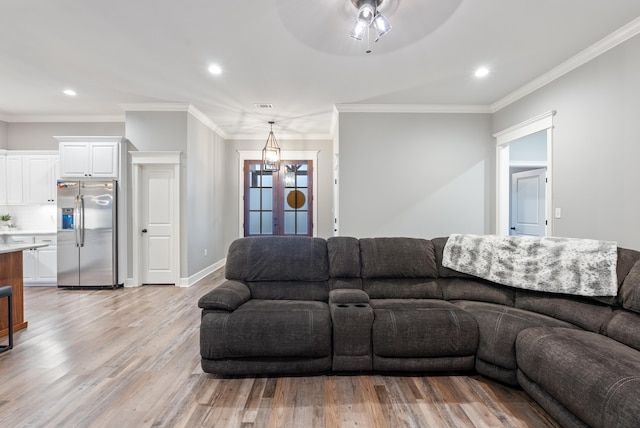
[
  {"x": 12, "y": 248},
  {"x": 14, "y": 231}
]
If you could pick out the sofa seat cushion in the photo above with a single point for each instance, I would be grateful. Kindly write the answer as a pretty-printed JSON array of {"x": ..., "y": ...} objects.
[
  {"x": 268, "y": 328},
  {"x": 593, "y": 376},
  {"x": 499, "y": 326},
  {"x": 420, "y": 328}
]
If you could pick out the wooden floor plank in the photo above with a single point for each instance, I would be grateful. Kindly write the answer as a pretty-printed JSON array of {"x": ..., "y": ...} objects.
[{"x": 130, "y": 357}]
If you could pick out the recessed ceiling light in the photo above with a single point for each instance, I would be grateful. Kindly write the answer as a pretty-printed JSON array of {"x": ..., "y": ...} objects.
[
  {"x": 69, "y": 92},
  {"x": 482, "y": 72},
  {"x": 215, "y": 69}
]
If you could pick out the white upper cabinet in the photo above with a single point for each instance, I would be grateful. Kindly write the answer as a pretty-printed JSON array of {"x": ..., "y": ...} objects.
[
  {"x": 28, "y": 177},
  {"x": 39, "y": 178},
  {"x": 103, "y": 159},
  {"x": 14, "y": 180},
  {"x": 74, "y": 159},
  {"x": 95, "y": 157}
]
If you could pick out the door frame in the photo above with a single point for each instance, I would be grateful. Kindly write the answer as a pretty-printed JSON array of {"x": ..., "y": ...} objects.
[
  {"x": 503, "y": 138},
  {"x": 311, "y": 155},
  {"x": 138, "y": 161}
]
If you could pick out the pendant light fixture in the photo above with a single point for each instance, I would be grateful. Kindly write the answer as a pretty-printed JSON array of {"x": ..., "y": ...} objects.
[
  {"x": 271, "y": 152},
  {"x": 367, "y": 15}
]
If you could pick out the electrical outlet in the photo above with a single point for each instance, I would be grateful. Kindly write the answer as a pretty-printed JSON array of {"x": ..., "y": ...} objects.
[
  {"x": 205, "y": 251},
  {"x": 558, "y": 213}
]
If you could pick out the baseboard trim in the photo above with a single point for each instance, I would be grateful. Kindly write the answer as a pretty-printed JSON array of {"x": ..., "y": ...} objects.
[
  {"x": 129, "y": 283},
  {"x": 188, "y": 282}
]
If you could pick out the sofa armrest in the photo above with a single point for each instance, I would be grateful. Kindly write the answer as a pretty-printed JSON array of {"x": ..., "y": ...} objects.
[
  {"x": 348, "y": 295},
  {"x": 227, "y": 297},
  {"x": 352, "y": 318}
]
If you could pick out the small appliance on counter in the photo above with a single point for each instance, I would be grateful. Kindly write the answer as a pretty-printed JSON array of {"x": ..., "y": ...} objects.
[{"x": 87, "y": 234}]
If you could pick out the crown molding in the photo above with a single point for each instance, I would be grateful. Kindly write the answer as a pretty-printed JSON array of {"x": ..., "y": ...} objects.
[
  {"x": 177, "y": 107},
  {"x": 611, "y": 41},
  {"x": 206, "y": 121},
  {"x": 55, "y": 118},
  {"x": 299, "y": 137},
  {"x": 412, "y": 108},
  {"x": 155, "y": 106}
]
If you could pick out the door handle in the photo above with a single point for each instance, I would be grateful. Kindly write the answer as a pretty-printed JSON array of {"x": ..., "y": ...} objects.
[
  {"x": 513, "y": 228},
  {"x": 144, "y": 230},
  {"x": 82, "y": 221},
  {"x": 76, "y": 219}
]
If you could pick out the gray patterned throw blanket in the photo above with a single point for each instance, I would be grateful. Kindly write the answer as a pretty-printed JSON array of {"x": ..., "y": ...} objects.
[{"x": 583, "y": 267}]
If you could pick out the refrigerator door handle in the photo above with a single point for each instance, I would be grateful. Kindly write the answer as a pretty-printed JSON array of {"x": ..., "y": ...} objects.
[
  {"x": 81, "y": 221},
  {"x": 76, "y": 219}
]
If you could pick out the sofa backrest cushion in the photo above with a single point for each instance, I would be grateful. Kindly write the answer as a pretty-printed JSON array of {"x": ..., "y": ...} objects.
[
  {"x": 580, "y": 311},
  {"x": 397, "y": 258},
  {"x": 476, "y": 289},
  {"x": 629, "y": 294},
  {"x": 278, "y": 258},
  {"x": 344, "y": 257},
  {"x": 624, "y": 327},
  {"x": 627, "y": 259},
  {"x": 444, "y": 272},
  {"x": 402, "y": 288}
]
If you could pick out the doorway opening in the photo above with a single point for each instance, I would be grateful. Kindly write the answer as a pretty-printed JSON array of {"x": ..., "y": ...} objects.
[
  {"x": 524, "y": 178},
  {"x": 528, "y": 183},
  {"x": 156, "y": 218},
  {"x": 278, "y": 202},
  {"x": 287, "y": 157}
]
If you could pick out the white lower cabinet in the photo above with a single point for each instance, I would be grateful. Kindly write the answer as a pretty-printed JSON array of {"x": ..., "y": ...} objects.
[{"x": 39, "y": 265}]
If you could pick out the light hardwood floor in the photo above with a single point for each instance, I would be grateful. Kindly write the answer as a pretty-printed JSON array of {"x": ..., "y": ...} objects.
[{"x": 130, "y": 358}]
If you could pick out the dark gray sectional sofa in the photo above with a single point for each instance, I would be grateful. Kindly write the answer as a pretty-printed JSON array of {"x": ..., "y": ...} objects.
[{"x": 294, "y": 305}]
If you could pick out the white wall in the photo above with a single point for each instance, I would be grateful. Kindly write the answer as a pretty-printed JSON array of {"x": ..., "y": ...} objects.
[
  {"x": 206, "y": 178},
  {"x": 4, "y": 136},
  {"x": 596, "y": 139},
  {"x": 202, "y": 178},
  {"x": 39, "y": 135},
  {"x": 416, "y": 175},
  {"x": 160, "y": 131}
]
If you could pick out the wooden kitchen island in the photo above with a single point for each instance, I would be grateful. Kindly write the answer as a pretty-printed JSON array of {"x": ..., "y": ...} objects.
[{"x": 11, "y": 274}]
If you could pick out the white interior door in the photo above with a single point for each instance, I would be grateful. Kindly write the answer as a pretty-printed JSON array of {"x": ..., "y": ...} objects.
[
  {"x": 528, "y": 209},
  {"x": 158, "y": 199}
]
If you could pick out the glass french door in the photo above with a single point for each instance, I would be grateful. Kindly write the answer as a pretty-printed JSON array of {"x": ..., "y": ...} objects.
[{"x": 280, "y": 202}]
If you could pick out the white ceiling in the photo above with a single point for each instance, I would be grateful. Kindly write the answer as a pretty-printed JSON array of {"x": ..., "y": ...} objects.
[{"x": 294, "y": 54}]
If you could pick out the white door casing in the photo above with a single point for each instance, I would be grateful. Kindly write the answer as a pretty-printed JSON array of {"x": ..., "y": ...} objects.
[
  {"x": 156, "y": 208},
  {"x": 503, "y": 138},
  {"x": 528, "y": 214},
  {"x": 243, "y": 155}
]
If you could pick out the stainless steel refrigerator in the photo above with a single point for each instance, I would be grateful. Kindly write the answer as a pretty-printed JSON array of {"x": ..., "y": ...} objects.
[{"x": 87, "y": 234}]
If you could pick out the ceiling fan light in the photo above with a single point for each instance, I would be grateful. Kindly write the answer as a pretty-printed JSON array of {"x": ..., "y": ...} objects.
[
  {"x": 381, "y": 24},
  {"x": 357, "y": 32},
  {"x": 365, "y": 14}
]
